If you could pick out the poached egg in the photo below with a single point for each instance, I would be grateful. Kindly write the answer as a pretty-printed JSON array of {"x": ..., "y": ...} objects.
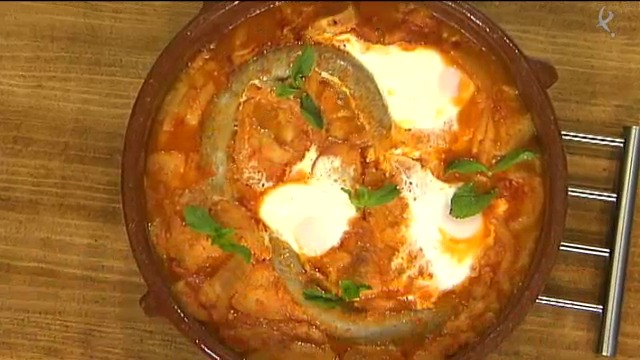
[
  {"x": 311, "y": 215},
  {"x": 421, "y": 90},
  {"x": 449, "y": 246}
]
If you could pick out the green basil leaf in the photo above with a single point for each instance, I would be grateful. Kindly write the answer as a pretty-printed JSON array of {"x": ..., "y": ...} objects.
[
  {"x": 347, "y": 191},
  {"x": 351, "y": 290},
  {"x": 303, "y": 65},
  {"x": 311, "y": 111},
  {"x": 231, "y": 246},
  {"x": 466, "y": 166},
  {"x": 322, "y": 298},
  {"x": 199, "y": 220},
  {"x": 366, "y": 198},
  {"x": 513, "y": 158},
  {"x": 363, "y": 197},
  {"x": 223, "y": 233},
  {"x": 285, "y": 90},
  {"x": 297, "y": 82},
  {"x": 466, "y": 201},
  {"x": 385, "y": 194}
]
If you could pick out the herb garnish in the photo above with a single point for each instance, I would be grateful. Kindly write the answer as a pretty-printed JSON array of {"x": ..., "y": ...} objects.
[
  {"x": 350, "y": 291},
  {"x": 311, "y": 111},
  {"x": 512, "y": 158},
  {"x": 466, "y": 166},
  {"x": 199, "y": 220},
  {"x": 470, "y": 166},
  {"x": 284, "y": 90},
  {"x": 366, "y": 198},
  {"x": 322, "y": 298},
  {"x": 467, "y": 201},
  {"x": 302, "y": 66},
  {"x": 301, "y": 69}
]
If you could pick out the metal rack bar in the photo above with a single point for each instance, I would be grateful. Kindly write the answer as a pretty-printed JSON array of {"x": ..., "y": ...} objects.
[
  {"x": 593, "y": 139},
  {"x": 618, "y": 254},
  {"x": 575, "y": 305},
  {"x": 592, "y": 194},
  {"x": 584, "y": 249}
]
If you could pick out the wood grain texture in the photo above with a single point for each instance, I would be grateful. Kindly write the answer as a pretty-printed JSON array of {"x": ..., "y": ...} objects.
[{"x": 69, "y": 73}]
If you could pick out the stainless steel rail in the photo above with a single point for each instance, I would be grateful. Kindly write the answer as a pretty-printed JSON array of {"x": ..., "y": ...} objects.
[
  {"x": 593, "y": 139},
  {"x": 618, "y": 255},
  {"x": 622, "y": 240},
  {"x": 584, "y": 249},
  {"x": 569, "y": 304},
  {"x": 592, "y": 194}
]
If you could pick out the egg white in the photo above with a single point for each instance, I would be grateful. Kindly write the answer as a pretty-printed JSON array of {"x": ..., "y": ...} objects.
[
  {"x": 421, "y": 90},
  {"x": 429, "y": 225},
  {"x": 312, "y": 215}
]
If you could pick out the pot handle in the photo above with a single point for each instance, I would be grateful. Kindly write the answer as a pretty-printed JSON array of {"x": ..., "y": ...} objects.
[
  {"x": 150, "y": 305},
  {"x": 215, "y": 6},
  {"x": 544, "y": 72}
]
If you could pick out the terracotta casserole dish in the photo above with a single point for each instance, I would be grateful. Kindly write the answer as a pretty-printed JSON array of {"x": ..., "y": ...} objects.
[{"x": 531, "y": 79}]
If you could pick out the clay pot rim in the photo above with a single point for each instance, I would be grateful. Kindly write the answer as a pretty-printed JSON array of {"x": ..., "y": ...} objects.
[{"x": 532, "y": 76}]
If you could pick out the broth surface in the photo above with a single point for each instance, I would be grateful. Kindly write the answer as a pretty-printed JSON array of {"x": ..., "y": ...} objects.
[{"x": 252, "y": 306}]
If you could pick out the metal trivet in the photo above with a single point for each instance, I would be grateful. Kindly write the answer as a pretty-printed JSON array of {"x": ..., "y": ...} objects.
[{"x": 618, "y": 254}]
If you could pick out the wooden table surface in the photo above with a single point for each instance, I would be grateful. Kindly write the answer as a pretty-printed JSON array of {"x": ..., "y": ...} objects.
[{"x": 69, "y": 73}]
